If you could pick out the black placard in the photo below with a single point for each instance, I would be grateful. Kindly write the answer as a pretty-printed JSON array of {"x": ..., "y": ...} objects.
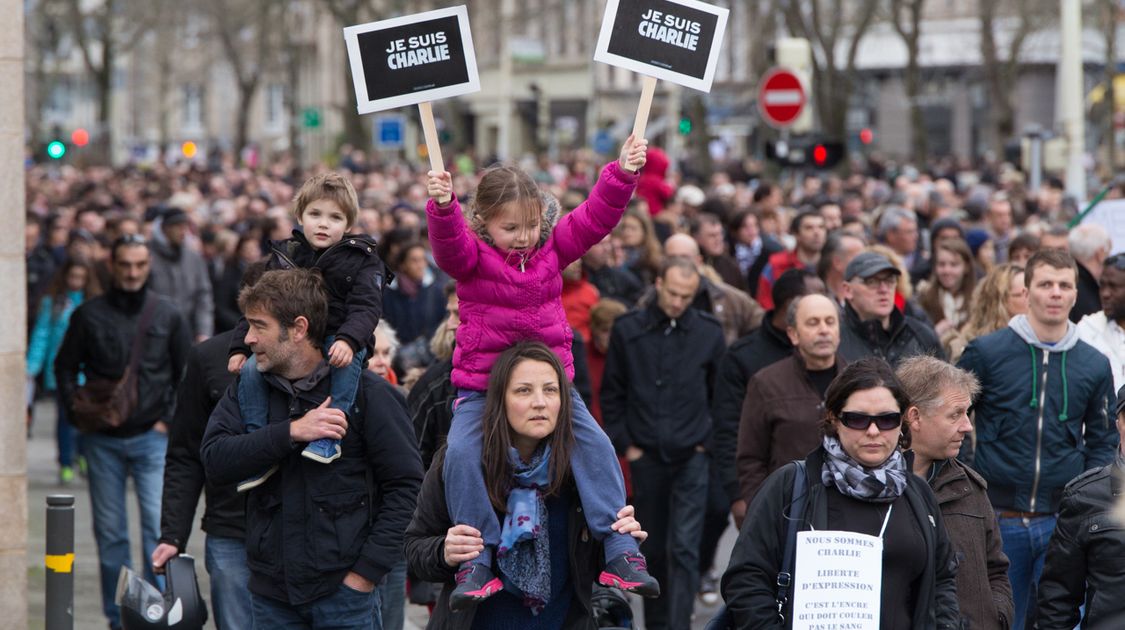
[
  {"x": 426, "y": 55},
  {"x": 412, "y": 59},
  {"x": 664, "y": 34}
]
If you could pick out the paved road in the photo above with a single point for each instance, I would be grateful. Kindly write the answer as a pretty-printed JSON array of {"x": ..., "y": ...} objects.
[{"x": 42, "y": 477}]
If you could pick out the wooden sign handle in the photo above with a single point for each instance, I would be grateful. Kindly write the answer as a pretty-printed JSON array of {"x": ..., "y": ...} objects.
[
  {"x": 433, "y": 147},
  {"x": 648, "y": 88}
]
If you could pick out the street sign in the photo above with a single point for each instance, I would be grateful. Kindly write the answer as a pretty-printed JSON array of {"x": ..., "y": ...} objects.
[
  {"x": 412, "y": 59},
  {"x": 390, "y": 132},
  {"x": 781, "y": 97},
  {"x": 310, "y": 116}
]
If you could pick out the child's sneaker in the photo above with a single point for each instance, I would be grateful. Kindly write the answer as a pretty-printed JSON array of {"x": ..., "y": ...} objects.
[
  {"x": 629, "y": 572},
  {"x": 257, "y": 480},
  {"x": 324, "y": 450},
  {"x": 475, "y": 583}
]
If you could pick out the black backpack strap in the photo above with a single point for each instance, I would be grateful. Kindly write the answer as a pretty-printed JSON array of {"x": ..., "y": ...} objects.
[{"x": 793, "y": 516}]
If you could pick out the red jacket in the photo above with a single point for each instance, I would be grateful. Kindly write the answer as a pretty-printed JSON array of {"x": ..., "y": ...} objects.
[{"x": 779, "y": 263}]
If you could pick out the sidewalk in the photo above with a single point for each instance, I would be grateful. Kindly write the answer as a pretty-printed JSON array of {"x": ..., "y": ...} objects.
[{"x": 42, "y": 480}]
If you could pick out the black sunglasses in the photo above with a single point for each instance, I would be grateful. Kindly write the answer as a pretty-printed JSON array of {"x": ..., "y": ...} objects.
[
  {"x": 861, "y": 421},
  {"x": 1117, "y": 261}
]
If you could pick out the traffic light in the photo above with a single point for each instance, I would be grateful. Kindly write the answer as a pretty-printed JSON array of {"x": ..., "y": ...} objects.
[
  {"x": 80, "y": 137},
  {"x": 820, "y": 155},
  {"x": 56, "y": 149},
  {"x": 189, "y": 149},
  {"x": 866, "y": 136},
  {"x": 827, "y": 154},
  {"x": 685, "y": 126}
]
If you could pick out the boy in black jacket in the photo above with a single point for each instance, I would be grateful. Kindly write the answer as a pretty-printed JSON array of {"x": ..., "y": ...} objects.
[{"x": 326, "y": 208}]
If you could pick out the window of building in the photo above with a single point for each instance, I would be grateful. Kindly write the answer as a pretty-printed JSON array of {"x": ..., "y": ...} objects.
[{"x": 192, "y": 112}]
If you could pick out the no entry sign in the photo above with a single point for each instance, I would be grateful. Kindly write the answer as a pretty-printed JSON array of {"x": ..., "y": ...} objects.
[
  {"x": 412, "y": 59},
  {"x": 781, "y": 97},
  {"x": 673, "y": 40}
]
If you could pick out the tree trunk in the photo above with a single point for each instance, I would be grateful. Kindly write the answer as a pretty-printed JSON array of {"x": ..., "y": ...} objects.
[
  {"x": 103, "y": 153},
  {"x": 293, "y": 126},
  {"x": 246, "y": 93},
  {"x": 355, "y": 131}
]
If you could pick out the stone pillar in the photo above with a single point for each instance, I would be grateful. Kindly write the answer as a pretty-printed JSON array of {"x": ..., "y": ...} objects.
[{"x": 13, "y": 436}]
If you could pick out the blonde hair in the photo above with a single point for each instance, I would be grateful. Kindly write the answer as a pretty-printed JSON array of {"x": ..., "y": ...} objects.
[
  {"x": 604, "y": 312},
  {"x": 989, "y": 311}
]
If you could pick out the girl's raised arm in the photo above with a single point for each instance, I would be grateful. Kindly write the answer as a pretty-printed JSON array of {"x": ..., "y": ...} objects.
[{"x": 453, "y": 245}]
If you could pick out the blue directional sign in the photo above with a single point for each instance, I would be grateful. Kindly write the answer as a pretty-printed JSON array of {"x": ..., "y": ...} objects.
[{"x": 390, "y": 132}]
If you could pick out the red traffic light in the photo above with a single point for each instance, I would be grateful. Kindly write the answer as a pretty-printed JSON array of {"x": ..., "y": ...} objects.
[
  {"x": 820, "y": 154},
  {"x": 80, "y": 137},
  {"x": 866, "y": 136}
]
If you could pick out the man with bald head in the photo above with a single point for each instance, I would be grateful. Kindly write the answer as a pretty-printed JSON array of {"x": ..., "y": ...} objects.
[
  {"x": 783, "y": 409},
  {"x": 738, "y": 313}
]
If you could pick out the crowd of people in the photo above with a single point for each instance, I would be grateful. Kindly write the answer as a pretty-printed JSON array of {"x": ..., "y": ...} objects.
[{"x": 600, "y": 367}]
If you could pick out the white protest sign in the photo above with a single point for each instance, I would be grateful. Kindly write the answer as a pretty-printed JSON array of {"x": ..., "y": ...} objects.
[
  {"x": 412, "y": 59},
  {"x": 674, "y": 40},
  {"x": 837, "y": 581},
  {"x": 1111, "y": 216}
]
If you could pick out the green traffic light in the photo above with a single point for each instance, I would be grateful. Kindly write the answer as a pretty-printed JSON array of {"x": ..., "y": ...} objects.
[
  {"x": 56, "y": 150},
  {"x": 685, "y": 126}
]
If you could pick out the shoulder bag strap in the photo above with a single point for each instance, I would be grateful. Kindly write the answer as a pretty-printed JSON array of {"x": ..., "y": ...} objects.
[{"x": 793, "y": 516}]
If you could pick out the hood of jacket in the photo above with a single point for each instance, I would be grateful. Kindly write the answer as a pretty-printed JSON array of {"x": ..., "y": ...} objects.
[
  {"x": 656, "y": 163},
  {"x": 1022, "y": 327},
  {"x": 552, "y": 212}
]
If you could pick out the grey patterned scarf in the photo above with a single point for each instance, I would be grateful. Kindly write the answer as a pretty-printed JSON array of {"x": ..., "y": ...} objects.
[{"x": 882, "y": 484}]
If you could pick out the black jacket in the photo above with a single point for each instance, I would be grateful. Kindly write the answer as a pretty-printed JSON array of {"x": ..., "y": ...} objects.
[
  {"x": 354, "y": 276},
  {"x": 225, "y": 285},
  {"x": 425, "y": 556},
  {"x": 656, "y": 388},
  {"x": 743, "y": 359},
  {"x": 907, "y": 337},
  {"x": 430, "y": 402},
  {"x": 205, "y": 380},
  {"x": 618, "y": 283},
  {"x": 40, "y": 270},
  {"x": 311, "y": 523},
  {"x": 417, "y": 315},
  {"x": 1089, "y": 299},
  {"x": 749, "y": 585},
  {"x": 97, "y": 344},
  {"x": 1083, "y": 563}
]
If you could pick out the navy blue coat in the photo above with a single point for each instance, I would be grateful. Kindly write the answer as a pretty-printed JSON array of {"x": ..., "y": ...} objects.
[{"x": 1042, "y": 418}]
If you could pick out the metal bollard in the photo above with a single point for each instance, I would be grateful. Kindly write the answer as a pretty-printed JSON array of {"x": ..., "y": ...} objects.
[{"x": 60, "y": 562}]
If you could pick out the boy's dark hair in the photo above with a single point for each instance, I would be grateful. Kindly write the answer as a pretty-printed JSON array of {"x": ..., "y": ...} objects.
[
  {"x": 808, "y": 213},
  {"x": 1054, "y": 258},
  {"x": 286, "y": 294},
  {"x": 701, "y": 220},
  {"x": 330, "y": 185},
  {"x": 764, "y": 189},
  {"x": 789, "y": 285}
]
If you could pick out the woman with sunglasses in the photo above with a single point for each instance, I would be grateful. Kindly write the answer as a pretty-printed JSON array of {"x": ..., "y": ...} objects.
[{"x": 858, "y": 480}]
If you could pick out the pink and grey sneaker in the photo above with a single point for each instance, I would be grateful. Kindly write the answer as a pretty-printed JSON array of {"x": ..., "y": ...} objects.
[
  {"x": 475, "y": 583},
  {"x": 629, "y": 572}
]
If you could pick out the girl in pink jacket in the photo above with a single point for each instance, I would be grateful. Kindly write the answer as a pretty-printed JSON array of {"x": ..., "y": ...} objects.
[{"x": 507, "y": 259}]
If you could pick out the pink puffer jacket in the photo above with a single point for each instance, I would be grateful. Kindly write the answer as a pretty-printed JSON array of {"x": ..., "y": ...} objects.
[{"x": 500, "y": 303}]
